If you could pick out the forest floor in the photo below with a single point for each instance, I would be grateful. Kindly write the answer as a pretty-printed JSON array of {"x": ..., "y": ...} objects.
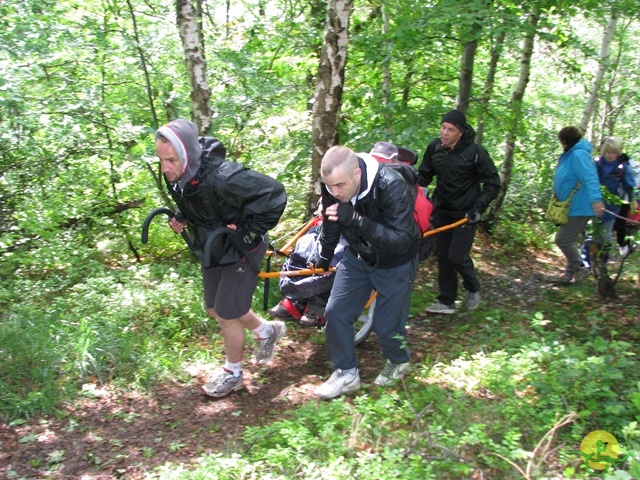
[{"x": 111, "y": 433}]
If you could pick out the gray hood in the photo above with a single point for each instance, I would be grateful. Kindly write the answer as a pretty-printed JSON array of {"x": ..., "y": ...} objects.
[{"x": 183, "y": 136}]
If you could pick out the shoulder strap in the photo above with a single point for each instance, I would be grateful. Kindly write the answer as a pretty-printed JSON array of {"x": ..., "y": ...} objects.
[{"x": 575, "y": 189}]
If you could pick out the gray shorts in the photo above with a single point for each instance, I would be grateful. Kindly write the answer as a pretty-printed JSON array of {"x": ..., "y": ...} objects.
[{"x": 229, "y": 290}]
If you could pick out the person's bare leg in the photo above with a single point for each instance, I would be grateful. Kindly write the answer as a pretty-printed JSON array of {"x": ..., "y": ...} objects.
[{"x": 233, "y": 333}]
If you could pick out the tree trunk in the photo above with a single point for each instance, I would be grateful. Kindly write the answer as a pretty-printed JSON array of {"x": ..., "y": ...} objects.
[
  {"x": 386, "y": 71},
  {"x": 470, "y": 45},
  {"x": 328, "y": 92},
  {"x": 489, "y": 82},
  {"x": 606, "y": 286},
  {"x": 466, "y": 75},
  {"x": 515, "y": 107},
  {"x": 604, "y": 64},
  {"x": 190, "y": 26}
]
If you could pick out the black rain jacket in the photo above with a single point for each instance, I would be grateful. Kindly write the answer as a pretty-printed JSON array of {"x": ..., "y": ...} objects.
[
  {"x": 223, "y": 192},
  {"x": 466, "y": 177}
]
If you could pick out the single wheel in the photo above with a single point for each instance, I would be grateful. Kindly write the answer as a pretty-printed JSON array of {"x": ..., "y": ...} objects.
[{"x": 364, "y": 323}]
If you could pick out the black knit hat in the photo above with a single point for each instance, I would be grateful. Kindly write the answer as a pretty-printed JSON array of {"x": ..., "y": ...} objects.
[{"x": 457, "y": 118}]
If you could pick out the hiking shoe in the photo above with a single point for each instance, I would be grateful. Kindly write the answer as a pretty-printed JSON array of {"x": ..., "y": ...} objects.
[
  {"x": 564, "y": 279},
  {"x": 581, "y": 274},
  {"x": 338, "y": 384},
  {"x": 314, "y": 313},
  {"x": 473, "y": 299},
  {"x": 286, "y": 310},
  {"x": 392, "y": 372},
  {"x": 442, "y": 308},
  {"x": 267, "y": 346},
  {"x": 222, "y": 383}
]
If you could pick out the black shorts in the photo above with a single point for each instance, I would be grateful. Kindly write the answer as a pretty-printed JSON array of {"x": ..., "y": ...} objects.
[{"x": 229, "y": 290}]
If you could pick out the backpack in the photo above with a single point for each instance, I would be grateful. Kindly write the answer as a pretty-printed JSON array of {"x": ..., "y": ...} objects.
[{"x": 423, "y": 207}]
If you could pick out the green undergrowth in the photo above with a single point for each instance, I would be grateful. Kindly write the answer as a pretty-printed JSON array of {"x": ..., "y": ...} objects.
[
  {"x": 499, "y": 412},
  {"x": 512, "y": 395},
  {"x": 506, "y": 391}
]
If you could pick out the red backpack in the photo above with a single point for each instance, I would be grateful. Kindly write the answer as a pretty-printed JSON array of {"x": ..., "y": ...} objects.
[{"x": 423, "y": 206}]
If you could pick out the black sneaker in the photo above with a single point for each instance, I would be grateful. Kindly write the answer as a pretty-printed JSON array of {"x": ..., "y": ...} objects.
[{"x": 314, "y": 313}]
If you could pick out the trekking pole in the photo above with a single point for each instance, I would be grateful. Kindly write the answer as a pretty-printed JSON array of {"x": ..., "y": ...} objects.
[{"x": 628, "y": 220}]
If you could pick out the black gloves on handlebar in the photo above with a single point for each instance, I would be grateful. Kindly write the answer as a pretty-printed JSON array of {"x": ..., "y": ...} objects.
[
  {"x": 320, "y": 260},
  {"x": 322, "y": 263},
  {"x": 243, "y": 239}
]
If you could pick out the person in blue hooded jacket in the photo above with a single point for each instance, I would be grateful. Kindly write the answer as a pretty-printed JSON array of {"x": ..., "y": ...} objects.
[{"x": 575, "y": 166}]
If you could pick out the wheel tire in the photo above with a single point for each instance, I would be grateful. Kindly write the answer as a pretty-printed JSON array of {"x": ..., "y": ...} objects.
[{"x": 364, "y": 324}]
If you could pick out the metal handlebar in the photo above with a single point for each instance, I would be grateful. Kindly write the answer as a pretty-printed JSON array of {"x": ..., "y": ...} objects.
[{"x": 154, "y": 213}]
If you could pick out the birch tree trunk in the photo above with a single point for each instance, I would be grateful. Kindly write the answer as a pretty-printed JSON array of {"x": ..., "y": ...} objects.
[
  {"x": 515, "y": 109},
  {"x": 328, "y": 93},
  {"x": 603, "y": 65},
  {"x": 190, "y": 26},
  {"x": 386, "y": 71}
]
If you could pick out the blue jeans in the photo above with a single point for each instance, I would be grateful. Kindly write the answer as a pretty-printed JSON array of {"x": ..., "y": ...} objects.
[{"x": 352, "y": 287}]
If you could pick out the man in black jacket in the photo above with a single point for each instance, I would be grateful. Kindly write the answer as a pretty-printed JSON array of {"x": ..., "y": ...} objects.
[
  {"x": 467, "y": 181},
  {"x": 213, "y": 194},
  {"x": 372, "y": 207}
]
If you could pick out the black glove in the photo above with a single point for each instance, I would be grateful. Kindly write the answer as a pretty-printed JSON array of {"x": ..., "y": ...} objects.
[
  {"x": 474, "y": 216},
  {"x": 322, "y": 263},
  {"x": 347, "y": 215},
  {"x": 243, "y": 239}
]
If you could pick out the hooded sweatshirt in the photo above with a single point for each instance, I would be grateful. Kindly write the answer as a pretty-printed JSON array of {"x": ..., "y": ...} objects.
[
  {"x": 183, "y": 136},
  {"x": 389, "y": 236}
]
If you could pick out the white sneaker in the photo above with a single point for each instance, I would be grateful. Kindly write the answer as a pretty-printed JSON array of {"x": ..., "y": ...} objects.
[
  {"x": 338, "y": 384},
  {"x": 442, "y": 308},
  {"x": 624, "y": 250},
  {"x": 222, "y": 383},
  {"x": 267, "y": 347}
]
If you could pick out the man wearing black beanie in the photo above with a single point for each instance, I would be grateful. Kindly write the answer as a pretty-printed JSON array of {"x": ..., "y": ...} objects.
[{"x": 466, "y": 182}]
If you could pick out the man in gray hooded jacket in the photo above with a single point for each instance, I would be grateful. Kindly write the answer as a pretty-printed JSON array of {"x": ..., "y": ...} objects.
[{"x": 214, "y": 195}]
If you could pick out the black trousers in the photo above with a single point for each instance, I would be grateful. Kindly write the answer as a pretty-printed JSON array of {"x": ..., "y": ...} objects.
[
  {"x": 620, "y": 225},
  {"x": 453, "y": 249}
]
